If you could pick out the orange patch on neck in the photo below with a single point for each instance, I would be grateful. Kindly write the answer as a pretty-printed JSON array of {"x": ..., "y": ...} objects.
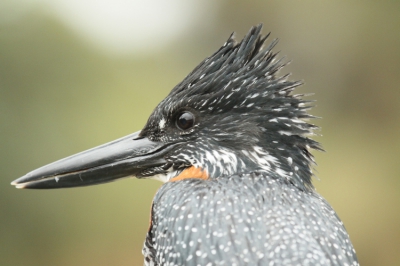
[{"x": 191, "y": 172}]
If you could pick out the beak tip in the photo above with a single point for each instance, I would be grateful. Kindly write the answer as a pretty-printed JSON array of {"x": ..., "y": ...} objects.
[
  {"x": 20, "y": 182},
  {"x": 17, "y": 185}
]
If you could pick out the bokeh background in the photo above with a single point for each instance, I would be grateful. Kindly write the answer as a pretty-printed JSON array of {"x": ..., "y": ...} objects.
[{"x": 76, "y": 74}]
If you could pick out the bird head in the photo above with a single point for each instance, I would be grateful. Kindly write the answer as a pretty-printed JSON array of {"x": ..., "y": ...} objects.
[{"x": 233, "y": 114}]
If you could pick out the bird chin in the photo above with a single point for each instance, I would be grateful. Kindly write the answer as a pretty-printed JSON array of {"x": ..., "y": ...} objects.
[{"x": 165, "y": 177}]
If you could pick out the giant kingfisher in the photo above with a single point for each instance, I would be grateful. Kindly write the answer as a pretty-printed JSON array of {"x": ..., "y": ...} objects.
[{"x": 231, "y": 144}]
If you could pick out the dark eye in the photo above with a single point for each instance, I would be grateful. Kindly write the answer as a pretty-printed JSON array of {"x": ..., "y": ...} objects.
[{"x": 185, "y": 120}]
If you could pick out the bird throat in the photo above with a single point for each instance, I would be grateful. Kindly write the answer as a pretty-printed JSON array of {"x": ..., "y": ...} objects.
[{"x": 191, "y": 172}]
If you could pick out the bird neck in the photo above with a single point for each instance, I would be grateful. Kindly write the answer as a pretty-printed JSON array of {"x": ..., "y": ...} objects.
[{"x": 274, "y": 162}]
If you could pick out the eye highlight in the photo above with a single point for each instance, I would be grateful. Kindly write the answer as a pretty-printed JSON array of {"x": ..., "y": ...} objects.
[{"x": 185, "y": 120}]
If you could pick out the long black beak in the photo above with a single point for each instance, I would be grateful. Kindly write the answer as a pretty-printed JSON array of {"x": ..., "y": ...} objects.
[{"x": 127, "y": 156}]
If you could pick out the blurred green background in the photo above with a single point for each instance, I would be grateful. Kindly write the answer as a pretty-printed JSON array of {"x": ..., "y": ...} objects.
[{"x": 73, "y": 77}]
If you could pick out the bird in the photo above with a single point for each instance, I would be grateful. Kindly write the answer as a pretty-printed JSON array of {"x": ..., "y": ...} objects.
[{"x": 232, "y": 144}]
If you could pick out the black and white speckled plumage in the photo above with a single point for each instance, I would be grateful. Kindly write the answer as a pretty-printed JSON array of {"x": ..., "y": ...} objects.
[
  {"x": 258, "y": 206},
  {"x": 251, "y": 219}
]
